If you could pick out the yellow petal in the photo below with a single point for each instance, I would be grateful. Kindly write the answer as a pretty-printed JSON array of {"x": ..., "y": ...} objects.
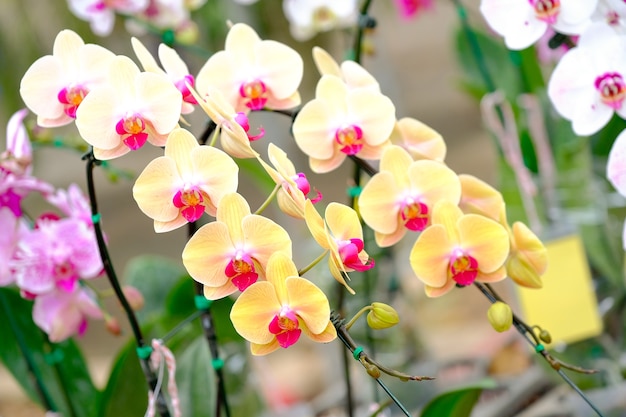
[
  {"x": 282, "y": 67},
  {"x": 180, "y": 144},
  {"x": 384, "y": 240},
  {"x": 485, "y": 240},
  {"x": 291, "y": 204},
  {"x": 322, "y": 166},
  {"x": 325, "y": 63},
  {"x": 147, "y": 61},
  {"x": 337, "y": 270},
  {"x": 171, "y": 61},
  {"x": 215, "y": 293},
  {"x": 281, "y": 162},
  {"x": 106, "y": 154},
  {"x": 263, "y": 237},
  {"x": 253, "y": 311},
  {"x": 40, "y": 86},
  {"x": 480, "y": 198},
  {"x": 355, "y": 76},
  {"x": 377, "y": 203},
  {"x": 495, "y": 276},
  {"x": 309, "y": 303},
  {"x": 420, "y": 140},
  {"x": 240, "y": 42},
  {"x": 264, "y": 349},
  {"x": 207, "y": 253},
  {"x": 397, "y": 161},
  {"x": 435, "y": 182},
  {"x": 163, "y": 227},
  {"x": 95, "y": 120},
  {"x": 434, "y": 292},
  {"x": 161, "y": 102},
  {"x": 531, "y": 249},
  {"x": 66, "y": 46},
  {"x": 216, "y": 172},
  {"x": 328, "y": 335},
  {"x": 374, "y": 113},
  {"x": 211, "y": 76},
  {"x": 343, "y": 222},
  {"x": 522, "y": 273},
  {"x": 315, "y": 223},
  {"x": 430, "y": 256},
  {"x": 231, "y": 210},
  {"x": 447, "y": 214},
  {"x": 279, "y": 268},
  {"x": 334, "y": 92},
  {"x": 311, "y": 130},
  {"x": 154, "y": 189}
]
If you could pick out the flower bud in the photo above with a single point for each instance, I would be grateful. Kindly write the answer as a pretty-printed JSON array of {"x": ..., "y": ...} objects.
[
  {"x": 134, "y": 297},
  {"x": 382, "y": 316},
  {"x": 500, "y": 316},
  {"x": 545, "y": 336},
  {"x": 112, "y": 325}
]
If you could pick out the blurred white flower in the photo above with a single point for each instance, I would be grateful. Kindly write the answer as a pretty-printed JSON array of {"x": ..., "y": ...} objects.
[{"x": 308, "y": 17}]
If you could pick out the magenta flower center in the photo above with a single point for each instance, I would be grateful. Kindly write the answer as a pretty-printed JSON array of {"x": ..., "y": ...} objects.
[
  {"x": 285, "y": 327},
  {"x": 184, "y": 90},
  {"x": 191, "y": 203},
  {"x": 612, "y": 89},
  {"x": 349, "y": 251},
  {"x": 132, "y": 130},
  {"x": 349, "y": 139},
  {"x": 241, "y": 271},
  {"x": 462, "y": 268},
  {"x": 65, "y": 276},
  {"x": 546, "y": 10},
  {"x": 414, "y": 214},
  {"x": 254, "y": 94},
  {"x": 303, "y": 185},
  {"x": 242, "y": 120},
  {"x": 71, "y": 97}
]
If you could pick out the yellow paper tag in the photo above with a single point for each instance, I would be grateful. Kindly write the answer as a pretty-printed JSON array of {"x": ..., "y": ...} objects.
[{"x": 566, "y": 306}]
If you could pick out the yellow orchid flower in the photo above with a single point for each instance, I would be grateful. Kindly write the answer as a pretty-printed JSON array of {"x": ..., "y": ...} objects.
[
  {"x": 274, "y": 313},
  {"x": 294, "y": 185},
  {"x": 341, "y": 121},
  {"x": 401, "y": 196},
  {"x": 253, "y": 74},
  {"x": 459, "y": 249},
  {"x": 529, "y": 257},
  {"x": 55, "y": 85},
  {"x": 173, "y": 67},
  {"x": 341, "y": 233},
  {"x": 131, "y": 108},
  {"x": 418, "y": 139},
  {"x": 186, "y": 182},
  {"x": 351, "y": 72},
  {"x": 232, "y": 252}
]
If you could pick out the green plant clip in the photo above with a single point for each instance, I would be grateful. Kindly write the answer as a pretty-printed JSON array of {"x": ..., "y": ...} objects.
[
  {"x": 357, "y": 352},
  {"x": 202, "y": 303},
  {"x": 168, "y": 37},
  {"x": 354, "y": 191},
  {"x": 95, "y": 218},
  {"x": 54, "y": 357},
  {"x": 144, "y": 352},
  {"x": 540, "y": 348},
  {"x": 217, "y": 363}
]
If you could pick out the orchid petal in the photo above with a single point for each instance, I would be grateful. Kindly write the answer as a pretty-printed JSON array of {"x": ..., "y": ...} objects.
[
  {"x": 485, "y": 240},
  {"x": 430, "y": 256},
  {"x": 253, "y": 311},
  {"x": 231, "y": 210},
  {"x": 309, "y": 303}
]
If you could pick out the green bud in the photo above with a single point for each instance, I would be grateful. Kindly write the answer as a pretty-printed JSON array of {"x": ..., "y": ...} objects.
[
  {"x": 545, "y": 336},
  {"x": 500, "y": 316},
  {"x": 382, "y": 316}
]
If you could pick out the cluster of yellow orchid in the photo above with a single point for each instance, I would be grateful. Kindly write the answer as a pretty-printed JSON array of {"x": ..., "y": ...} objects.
[{"x": 459, "y": 221}]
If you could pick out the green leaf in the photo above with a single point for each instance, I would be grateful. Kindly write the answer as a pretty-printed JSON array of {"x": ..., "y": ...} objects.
[
  {"x": 126, "y": 393},
  {"x": 154, "y": 276},
  {"x": 65, "y": 379},
  {"x": 196, "y": 381},
  {"x": 457, "y": 403}
]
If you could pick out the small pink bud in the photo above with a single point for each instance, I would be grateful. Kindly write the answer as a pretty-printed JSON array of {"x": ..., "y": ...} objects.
[
  {"x": 112, "y": 325},
  {"x": 134, "y": 297}
]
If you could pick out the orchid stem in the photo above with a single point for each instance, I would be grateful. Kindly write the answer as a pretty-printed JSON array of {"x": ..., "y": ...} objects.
[
  {"x": 527, "y": 332},
  {"x": 312, "y": 264},
  {"x": 150, "y": 376},
  {"x": 357, "y": 315},
  {"x": 268, "y": 200},
  {"x": 216, "y": 133},
  {"x": 208, "y": 327}
]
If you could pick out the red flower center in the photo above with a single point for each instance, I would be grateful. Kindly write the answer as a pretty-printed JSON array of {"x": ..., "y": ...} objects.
[
  {"x": 349, "y": 251},
  {"x": 612, "y": 89},
  {"x": 254, "y": 94},
  {"x": 414, "y": 215},
  {"x": 71, "y": 97},
  {"x": 132, "y": 131},
  {"x": 350, "y": 139},
  {"x": 546, "y": 10},
  {"x": 463, "y": 268},
  {"x": 285, "y": 326},
  {"x": 241, "y": 271},
  {"x": 191, "y": 203}
]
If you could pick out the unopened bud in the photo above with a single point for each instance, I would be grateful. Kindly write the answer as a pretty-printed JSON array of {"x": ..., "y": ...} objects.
[
  {"x": 545, "y": 336},
  {"x": 371, "y": 369},
  {"x": 382, "y": 316},
  {"x": 500, "y": 316},
  {"x": 134, "y": 297},
  {"x": 112, "y": 325}
]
